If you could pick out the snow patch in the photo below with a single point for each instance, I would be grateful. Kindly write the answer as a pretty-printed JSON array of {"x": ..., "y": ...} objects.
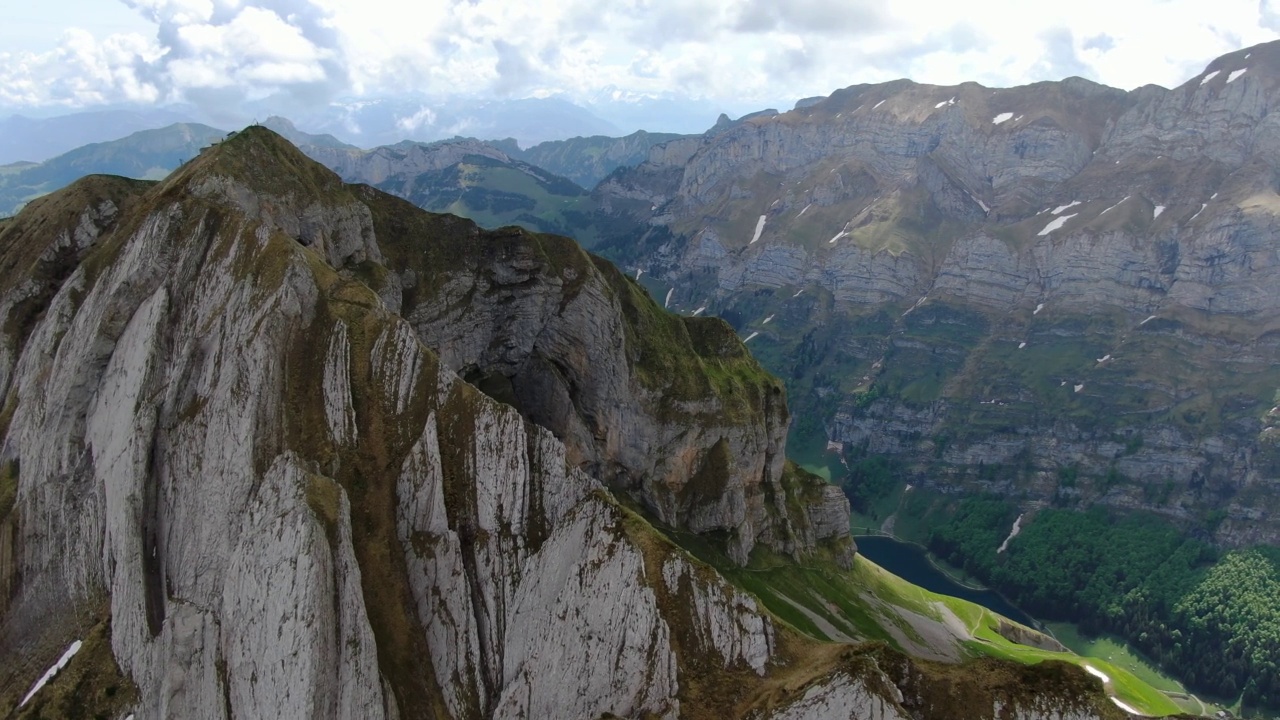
[
  {"x": 952, "y": 101},
  {"x": 766, "y": 320},
  {"x": 52, "y": 672},
  {"x": 1038, "y": 309},
  {"x": 1236, "y": 73},
  {"x": 833, "y": 240},
  {"x": 1202, "y": 207},
  {"x": 698, "y": 312},
  {"x": 873, "y": 107},
  {"x": 1104, "y": 358},
  {"x": 1096, "y": 673},
  {"x": 806, "y": 207},
  {"x": 1125, "y": 706},
  {"x": 1159, "y": 209},
  {"x": 1017, "y": 528},
  {"x": 1144, "y": 322},
  {"x": 1001, "y": 118},
  {"x": 1056, "y": 223},
  {"x": 1058, "y": 210},
  {"x": 1079, "y": 387},
  {"x": 639, "y": 272},
  {"x": 750, "y": 336},
  {"x": 1021, "y": 345},
  {"x": 759, "y": 229},
  {"x": 1210, "y": 76},
  {"x": 1113, "y": 207},
  {"x": 798, "y": 293},
  {"x": 667, "y": 303},
  {"x": 1018, "y": 118}
]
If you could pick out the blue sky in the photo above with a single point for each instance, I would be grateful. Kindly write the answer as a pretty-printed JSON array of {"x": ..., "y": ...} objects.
[
  {"x": 38, "y": 26},
  {"x": 754, "y": 53}
]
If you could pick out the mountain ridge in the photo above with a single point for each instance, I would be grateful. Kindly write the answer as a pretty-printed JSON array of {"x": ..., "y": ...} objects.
[
  {"x": 966, "y": 196},
  {"x": 267, "y": 495}
]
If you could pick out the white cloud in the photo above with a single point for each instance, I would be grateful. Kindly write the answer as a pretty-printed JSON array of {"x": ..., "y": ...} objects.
[
  {"x": 257, "y": 47},
  {"x": 81, "y": 71},
  {"x": 424, "y": 116},
  {"x": 750, "y": 52}
]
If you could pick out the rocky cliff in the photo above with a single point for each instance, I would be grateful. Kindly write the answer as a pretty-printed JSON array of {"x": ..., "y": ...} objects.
[
  {"x": 1001, "y": 287},
  {"x": 237, "y": 480}
]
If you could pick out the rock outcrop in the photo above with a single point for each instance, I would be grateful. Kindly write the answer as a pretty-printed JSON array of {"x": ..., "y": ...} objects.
[{"x": 672, "y": 411}]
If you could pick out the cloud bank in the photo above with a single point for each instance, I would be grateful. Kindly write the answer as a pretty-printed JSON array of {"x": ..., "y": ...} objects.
[{"x": 220, "y": 54}]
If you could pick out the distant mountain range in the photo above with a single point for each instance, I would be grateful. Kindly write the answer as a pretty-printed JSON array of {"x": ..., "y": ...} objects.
[
  {"x": 388, "y": 121},
  {"x": 588, "y": 160},
  {"x": 369, "y": 123},
  {"x": 25, "y": 139},
  {"x": 495, "y": 183},
  {"x": 145, "y": 155}
]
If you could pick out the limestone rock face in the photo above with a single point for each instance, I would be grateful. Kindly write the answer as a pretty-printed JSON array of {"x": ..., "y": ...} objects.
[
  {"x": 283, "y": 503},
  {"x": 580, "y": 350},
  {"x": 841, "y": 696},
  {"x": 198, "y": 419}
]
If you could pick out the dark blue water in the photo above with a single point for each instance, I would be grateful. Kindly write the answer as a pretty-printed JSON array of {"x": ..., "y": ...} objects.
[{"x": 910, "y": 563}]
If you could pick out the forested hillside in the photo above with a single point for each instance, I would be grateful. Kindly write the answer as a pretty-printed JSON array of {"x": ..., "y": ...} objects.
[{"x": 1175, "y": 598}]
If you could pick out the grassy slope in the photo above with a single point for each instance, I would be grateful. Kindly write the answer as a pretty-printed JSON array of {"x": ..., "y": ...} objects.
[
  {"x": 91, "y": 686},
  {"x": 1120, "y": 654},
  {"x": 548, "y": 201},
  {"x": 865, "y": 601},
  {"x": 496, "y": 194}
]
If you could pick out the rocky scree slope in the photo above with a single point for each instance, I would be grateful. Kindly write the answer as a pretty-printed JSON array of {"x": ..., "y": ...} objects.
[
  {"x": 1000, "y": 288},
  {"x": 234, "y": 469}
]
